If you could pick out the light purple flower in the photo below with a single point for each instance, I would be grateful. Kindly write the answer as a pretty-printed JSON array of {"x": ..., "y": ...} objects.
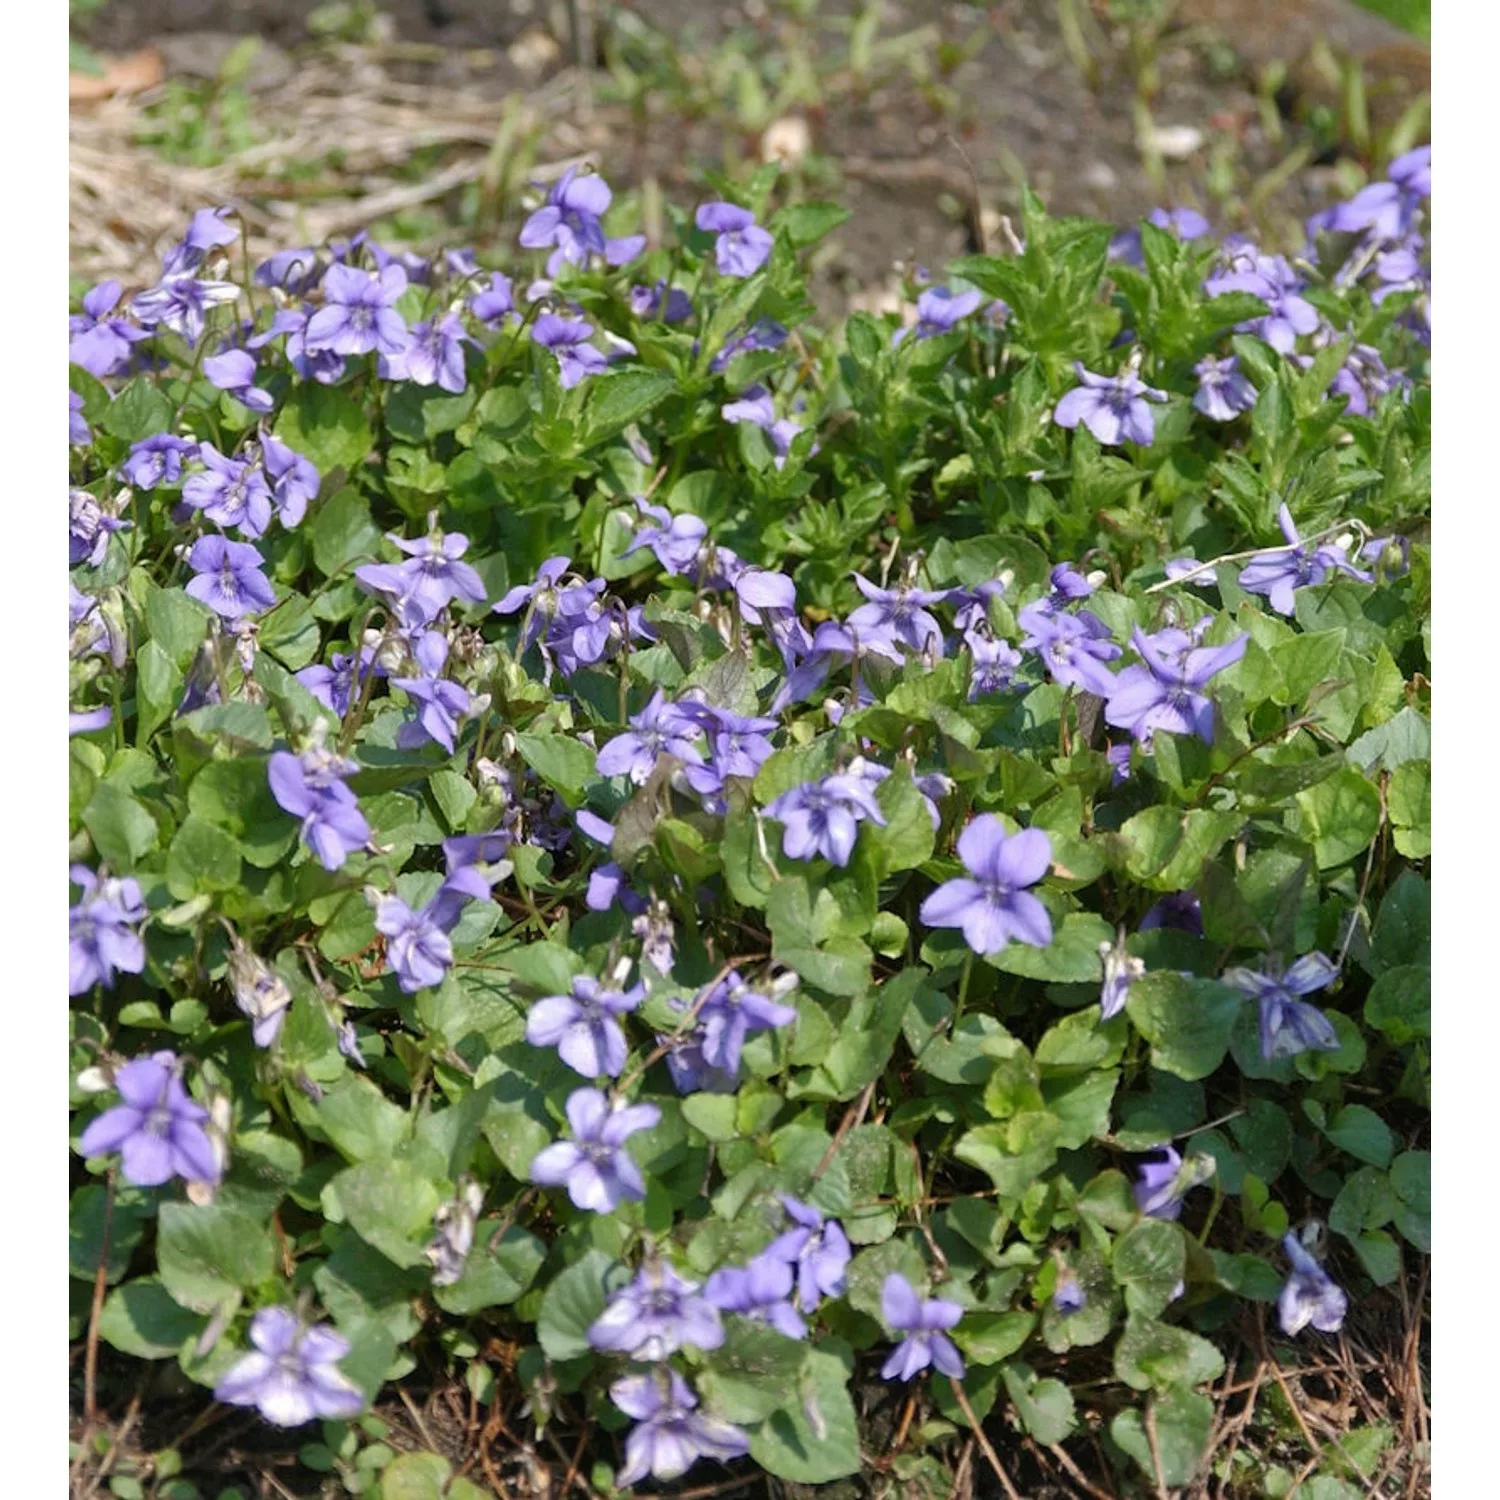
[
  {"x": 1364, "y": 380},
  {"x": 1272, "y": 279},
  {"x": 156, "y": 460},
  {"x": 440, "y": 703},
  {"x": 645, "y": 303},
  {"x": 995, "y": 664},
  {"x": 294, "y": 271},
  {"x": 817, "y": 1249},
  {"x": 78, "y": 427},
  {"x": 582, "y": 1026},
  {"x": 1161, "y": 1184},
  {"x": 568, "y": 338},
  {"x": 229, "y": 580},
  {"x": 232, "y": 492},
  {"x": 1278, "y": 574},
  {"x": 1166, "y": 692},
  {"x": 359, "y": 314},
  {"x": 86, "y": 721},
  {"x": 1073, "y": 648},
  {"x": 1067, "y": 1294},
  {"x": 234, "y": 371},
  {"x": 102, "y": 936},
  {"x": 1288, "y": 1024},
  {"x": 655, "y": 1316},
  {"x": 594, "y": 1166},
  {"x": 755, "y": 406},
  {"x": 495, "y": 303},
  {"x": 676, "y": 541},
  {"x": 311, "y": 787},
  {"x": 435, "y": 355},
  {"x": 742, "y": 246},
  {"x": 732, "y": 1011},
  {"x": 1310, "y": 1294},
  {"x": 924, "y": 1323},
  {"x": 181, "y": 302},
  {"x": 1112, "y": 407},
  {"x": 670, "y": 1436},
  {"x": 98, "y": 342},
  {"x": 293, "y": 479},
  {"x": 1223, "y": 392},
  {"x": 991, "y": 904},
  {"x": 431, "y": 578},
  {"x": 1121, "y": 970},
  {"x": 900, "y": 615},
  {"x": 1185, "y": 223},
  {"x": 661, "y": 728},
  {"x": 417, "y": 946},
  {"x": 156, "y": 1128},
  {"x": 758, "y": 1291},
  {"x": 334, "y": 685},
  {"x": 90, "y": 527},
  {"x": 259, "y": 991},
  {"x": 822, "y": 818},
  {"x": 940, "y": 310},
  {"x": 764, "y": 333},
  {"x": 570, "y": 221},
  {"x": 292, "y": 1376}
]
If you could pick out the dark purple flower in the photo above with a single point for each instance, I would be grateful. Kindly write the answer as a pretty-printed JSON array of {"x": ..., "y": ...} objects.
[
  {"x": 181, "y": 302},
  {"x": 232, "y": 492},
  {"x": 655, "y": 1316},
  {"x": 822, "y": 818},
  {"x": 1278, "y": 574},
  {"x": 594, "y": 1166},
  {"x": 567, "y": 338},
  {"x": 90, "y": 527},
  {"x": 311, "y": 787},
  {"x": 971, "y": 606},
  {"x": 1223, "y": 392},
  {"x": 1112, "y": 407},
  {"x": 758, "y": 1291},
  {"x": 645, "y": 303},
  {"x": 817, "y": 1249},
  {"x": 229, "y": 580},
  {"x": 1310, "y": 1295},
  {"x": 582, "y": 1026},
  {"x": 293, "y": 1375},
  {"x": 358, "y": 315},
  {"x": 1166, "y": 693},
  {"x": 234, "y": 371},
  {"x": 764, "y": 333},
  {"x": 156, "y": 460},
  {"x": 940, "y": 310},
  {"x": 742, "y": 246},
  {"x": 1073, "y": 648},
  {"x": 294, "y": 271},
  {"x": 670, "y": 1436},
  {"x": 1178, "y": 911},
  {"x": 991, "y": 904},
  {"x": 661, "y": 728},
  {"x": 1288, "y": 1024},
  {"x": 97, "y": 342},
  {"x": 732, "y": 1011},
  {"x": 1067, "y": 1295},
  {"x": 1121, "y": 970},
  {"x": 102, "y": 934},
  {"x": 544, "y": 598},
  {"x": 691, "y": 1072},
  {"x": 334, "y": 685},
  {"x": 156, "y": 1128},
  {"x": 924, "y": 1323},
  {"x": 435, "y": 355},
  {"x": 495, "y": 303}
]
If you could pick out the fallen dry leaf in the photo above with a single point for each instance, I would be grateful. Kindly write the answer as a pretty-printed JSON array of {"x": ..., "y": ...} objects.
[{"x": 122, "y": 75}]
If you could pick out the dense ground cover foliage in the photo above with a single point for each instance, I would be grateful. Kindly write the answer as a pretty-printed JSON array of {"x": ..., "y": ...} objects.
[{"x": 747, "y": 862}]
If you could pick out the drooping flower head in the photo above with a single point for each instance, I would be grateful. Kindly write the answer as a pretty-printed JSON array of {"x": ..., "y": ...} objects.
[
  {"x": 1288, "y": 1024},
  {"x": 1310, "y": 1295},
  {"x": 1121, "y": 970},
  {"x": 102, "y": 934},
  {"x": 670, "y": 1435},
  {"x": 991, "y": 903},
  {"x": 1161, "y": 1185},
  {"x": 311, "y": 787}
]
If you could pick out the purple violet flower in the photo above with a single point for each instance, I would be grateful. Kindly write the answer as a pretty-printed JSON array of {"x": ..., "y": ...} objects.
[
  {"x": 495, "y": 303},
  {"x": 1073, "y": 648},
  {"x": 995, "y": 664},
  {"x": 417, "y": 947},
  {"x": 78, "y": 427},
  {"x": 991, "y": 904},
  {"x": 1270, "y": 278},
  {"x": 1121, "y": 970},
  {"x": 99, "y": 343},
  {"x": 645, "y": 303},
  {"x": 676, "y": 541},
  {"x": 1223, "y": 392},
  {"x": 764, "y": 333},
  {"x": 232, "y": 492},
  {"x": 156, "y": 460},
  {"x": 758, "y": 1291},
  {"x": 292, "y": 1376},
  {"x": 1177, "y": 911},
  {"x": 570, "y": 221},
  {"x": 358, "y": 315},
  {"x": 822, "y": 818},
  {"x": 655, "y": 1316},
  {"x": 817, "y": 1249},
  {"x": 594, "y": 1166},
  {"x": 742, "y": 246},
  {"x": 582, "y": 1026},
  {"x": 435, "y": 355},
  {"x": 939, "y": 310},
  {"x": 90, "y": 527},
  {"x": 732, "y": 1011},
  {"x": 101, "y": 930},
  {"x": 1112, "y": 407},
  {"x": 670, "y": 1436},
  {"x": 1160, "y": 1186},
  {"x": 1288, "y": 1024},
  {"x": 1165, "y": 693},
  {"x": 1278, "y": 574},
  {"x": 156, "y": 1128},
  {"x": 1067, "y": 1294},
  {"x": 310, "y": 787},
  {"x": 755, "y": 406},
  {"x": 568, "y": 338},
  {"x": 293, "y": 479},
  {"x": 234, "y": 371},
  {"x": 181, "y": 302},
  {"x": 431, "y": 578},
  {"x": 296, "y": 272},
  {"x": 1310, "y": 1294},
  {"x": 900, "y": 615},
  {"x": 661, "y": 728},
  {"x": 229, "y": 580},
  {"x": 924, "y": 1323}
]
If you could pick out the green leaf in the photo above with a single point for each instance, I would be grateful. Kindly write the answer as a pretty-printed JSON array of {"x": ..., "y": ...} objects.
[
  {"x": 987, "y": 1338},
  {"x": 714, "y": 1114},
  {"x": 207, "y": 1254},
  {"x": 139, "y": 411},
  {"x": 1158, "y": 1356},
  {"x": 747, "y": 1377},
  {"x": 616, "y": 400},
  {"x": 1045, "y": 1406},
  {"x": 560, "y": 760},
  {"x": 1400, "y": 1003},
  {"x": 1183, "y": 1420},
  {"x": 493, "y": 1278},
  {"x": 389, "y": 1203},
  {"x": 141, "y": 1319},
  {"x": 158, "y": 689},
  {"x": 1308, "y": 659},
  {"x": 202, "y": 857},
  {"x": 1411, "y": 1182},
  {"x": 1403, "y": 929},
  {"x": 122, "y": 830},
  {"x": 1148, "y": 1263},
  {"x": 128, "y": 1217},
  {"x": 814, "y": 1438},
  {"x": 806, "y": 223},
  {"x": 1342, "y": 815},
  {"x": 360, "y": 1120},
  {"x": 342, "y": 532},
  {"x": 573, "y": 1300},
  {"x": 1167, "y": 847},
  {"x": 1187, "y": 1021},
  {"x": 1072, "y": 957},
  {"x": 1363, "y": 1134},
  {"x": 236, "y": 795},
  {"x": 327, "y": 425},
  {"x": 416, "y": 1476},
  {"x": 868, "y": 1034}
]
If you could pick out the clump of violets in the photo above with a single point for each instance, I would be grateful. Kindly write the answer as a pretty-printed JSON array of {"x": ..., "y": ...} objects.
[
  {"x": 1113, "y": 407},
  {"x": 583, "y": 1026},
  {"x": 991, "y": 902},
  {"x": 655, "y": 1315},
  {"x": 822, "y": 818},
  {"x": 1310, "y": 1295},
  {"x": 594, "y": 1166},
  {"x": 292, "y": 1375},
  {"x": 742, "y": 247},
  {"x": 156, "y": 1127},
  {"x": 1280, "y": 573},
  {"x": 670, "y": 1435},
  {"x": 925, "y": 1323},
  {"x": 1288, "y": 1024},
  {"x": 102, "y": 935}
]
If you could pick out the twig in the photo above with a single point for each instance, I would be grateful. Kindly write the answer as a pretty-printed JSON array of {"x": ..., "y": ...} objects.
[
  {"x": 1077, "y": 1475},
  {"x": 991, "y": 1457},
  {"x": 961, "y": 1469},
  {"x": 907, "y": 1412},
  {"x": 101, "y": 1280},
  {"x": 116, "y": 1441},
  {"x": 1214, "y": 562},
  {"x": 276, "y": 1484},
  {"x": 1161, "y": 1482},
  {"x": 417, "y": 1419},
  {"x": 1364, "y": 884},
  {"x": 852, "y": 1117}
]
